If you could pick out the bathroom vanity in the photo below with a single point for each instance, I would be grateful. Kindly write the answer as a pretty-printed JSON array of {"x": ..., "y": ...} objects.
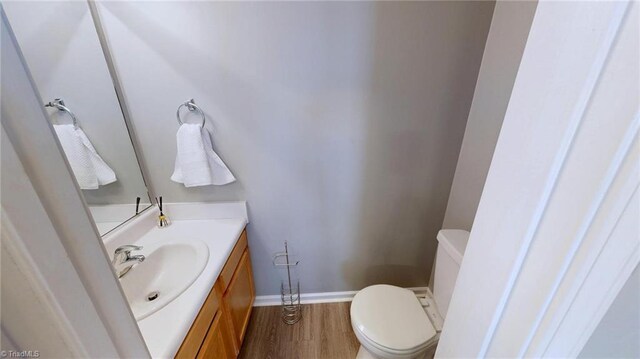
[
  {"x": 192, "y": 295},
  {"x": 219, "y": 328}
]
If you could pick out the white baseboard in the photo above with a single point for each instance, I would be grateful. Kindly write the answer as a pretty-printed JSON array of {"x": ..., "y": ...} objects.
[{"x": 325, "y": 297}]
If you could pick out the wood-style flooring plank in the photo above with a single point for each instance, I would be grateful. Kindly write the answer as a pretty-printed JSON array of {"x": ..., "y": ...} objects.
[{"x": 324, "y": 332}]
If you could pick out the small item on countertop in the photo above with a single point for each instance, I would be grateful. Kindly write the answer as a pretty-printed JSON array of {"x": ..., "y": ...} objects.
[
  {"x": 163, "y": 221},
  {"x": 137, "y": 205}
]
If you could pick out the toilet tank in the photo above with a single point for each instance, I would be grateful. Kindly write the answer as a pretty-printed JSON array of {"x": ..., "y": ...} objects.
[{"x": 451, "y": 246}]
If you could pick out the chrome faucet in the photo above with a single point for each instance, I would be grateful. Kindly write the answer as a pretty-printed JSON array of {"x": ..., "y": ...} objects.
[{"x": 122, "y": 256}]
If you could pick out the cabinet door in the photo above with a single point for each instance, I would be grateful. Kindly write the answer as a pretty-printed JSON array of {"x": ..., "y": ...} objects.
[
  {"x": 215, "y": 346},
  {"x": 239, "y": 298},
  {"x": 198, "y": 332}
]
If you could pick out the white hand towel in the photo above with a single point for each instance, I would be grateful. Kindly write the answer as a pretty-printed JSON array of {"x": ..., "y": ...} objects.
[
  {"x": 89, "y": 168},
  {"x": 196, "y": 162}
]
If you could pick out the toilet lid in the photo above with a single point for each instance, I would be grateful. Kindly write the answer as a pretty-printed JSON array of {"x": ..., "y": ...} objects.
[{"x": 391, "y": 317}]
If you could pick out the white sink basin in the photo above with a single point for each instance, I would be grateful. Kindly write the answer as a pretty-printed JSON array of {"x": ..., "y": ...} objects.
[{"x": 167, "y": 271}]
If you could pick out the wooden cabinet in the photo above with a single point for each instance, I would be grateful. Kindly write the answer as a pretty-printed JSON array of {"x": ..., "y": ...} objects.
[
  {"x": 219, "y": 328},
  {"x": 238, "y": 299},
  {"x": 196, "y": 335},
  {"x": 216, "y": 344}
]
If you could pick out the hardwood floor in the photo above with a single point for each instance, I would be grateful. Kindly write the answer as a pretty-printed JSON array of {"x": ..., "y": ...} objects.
[{"x": 324, "y": 332}]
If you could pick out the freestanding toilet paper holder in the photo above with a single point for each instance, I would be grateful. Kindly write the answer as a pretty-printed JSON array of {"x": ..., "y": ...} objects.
[{"x": 289, "y": 292}]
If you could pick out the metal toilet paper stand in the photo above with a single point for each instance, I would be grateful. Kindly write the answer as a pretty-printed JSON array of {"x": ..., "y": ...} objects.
[{"x": 289, "y": 291}]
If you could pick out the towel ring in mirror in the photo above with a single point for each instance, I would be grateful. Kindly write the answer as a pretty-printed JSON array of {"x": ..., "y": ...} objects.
[
  {"x": 59, "y": 104},
  {"x": 191, "y": 105}
]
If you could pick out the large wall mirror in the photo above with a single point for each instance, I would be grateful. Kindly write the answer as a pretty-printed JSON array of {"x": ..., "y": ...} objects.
[{"x": 63, "y": 52}]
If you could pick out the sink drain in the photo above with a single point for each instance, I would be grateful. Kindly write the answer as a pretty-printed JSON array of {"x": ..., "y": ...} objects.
[{"x": 152, "y": 296}]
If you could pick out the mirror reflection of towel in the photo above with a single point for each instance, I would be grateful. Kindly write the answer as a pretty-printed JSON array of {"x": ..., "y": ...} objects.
[
  {"x": 89, "y": 168},
  {"x": 196, "y": 162}
]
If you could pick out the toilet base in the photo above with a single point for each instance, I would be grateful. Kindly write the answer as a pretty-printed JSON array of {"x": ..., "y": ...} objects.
[{"x": 365, "y": 354}]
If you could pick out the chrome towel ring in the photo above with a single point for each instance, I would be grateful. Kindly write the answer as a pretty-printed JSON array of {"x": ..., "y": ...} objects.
[
  {"x": 191, "y": 105},
  {"x": 59, "y": 104}
]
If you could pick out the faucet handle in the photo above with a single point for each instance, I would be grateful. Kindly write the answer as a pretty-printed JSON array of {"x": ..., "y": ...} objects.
[{"x": 127, "y": 248}]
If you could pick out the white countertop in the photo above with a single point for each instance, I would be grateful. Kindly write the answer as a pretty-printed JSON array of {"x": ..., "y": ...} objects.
[
  {"x": 110, "y": 216},
  {"x": 105, "y": 227},
  {"x": 164, "y": 330}
]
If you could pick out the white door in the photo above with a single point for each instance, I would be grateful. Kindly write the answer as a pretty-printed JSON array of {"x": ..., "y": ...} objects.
[{"x": 556, "y": 234}]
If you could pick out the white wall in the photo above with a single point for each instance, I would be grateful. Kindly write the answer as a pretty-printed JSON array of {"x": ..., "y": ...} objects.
[
  {"x": 618, "y": 334},
  {"x": 507, "y": 37},
  {"x": 342, "y": 121},
  {"x": 61, "y": 47}
]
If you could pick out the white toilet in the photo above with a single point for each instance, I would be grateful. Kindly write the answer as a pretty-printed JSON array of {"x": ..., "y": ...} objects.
[{"x": 391, "y": 322}]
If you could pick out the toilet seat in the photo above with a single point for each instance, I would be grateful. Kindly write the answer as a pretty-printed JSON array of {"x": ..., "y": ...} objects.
[{"x": 392, "y": 320}]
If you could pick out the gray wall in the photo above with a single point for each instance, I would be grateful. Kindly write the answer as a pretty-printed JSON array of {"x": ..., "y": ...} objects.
[
  {"x": 61, "y": 47},
  {"x": 505, "y": 44},
  {"x": 618, "y": 334},
  {"x": 341, "y": 120}
]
